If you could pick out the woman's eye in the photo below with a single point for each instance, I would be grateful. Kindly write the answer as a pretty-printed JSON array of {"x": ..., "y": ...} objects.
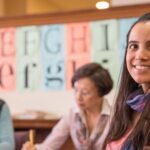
[
  {"x": 132, "y": 46},
  {"x": 148, "y": 46},
  {"x": 85, "y": 92}
]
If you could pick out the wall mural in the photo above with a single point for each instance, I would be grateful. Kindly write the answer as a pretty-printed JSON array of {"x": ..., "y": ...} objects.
[{"x": 45, "y": 57}]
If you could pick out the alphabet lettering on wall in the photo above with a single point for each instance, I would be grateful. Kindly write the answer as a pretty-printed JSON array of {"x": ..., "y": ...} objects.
[
  {"x": 104, "y": 46},
  {"x": 28, "y": 58},
  {"x": 78, "y": 47},
  {"x": 45, "y": 57},
  {"x": 7, "y": 59},
  {"x": 53, "y": 57}
]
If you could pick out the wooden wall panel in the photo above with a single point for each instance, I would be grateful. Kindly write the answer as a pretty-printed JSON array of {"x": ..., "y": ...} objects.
[{"x": 76, "y": 16}]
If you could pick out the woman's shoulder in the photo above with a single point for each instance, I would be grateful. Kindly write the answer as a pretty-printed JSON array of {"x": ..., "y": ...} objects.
[
  {"x": 4, "y": 108},
  {"x": 2, "y": 102},
  {"x": 106, "y": 107},
  {"x": 72, "y": 113}
]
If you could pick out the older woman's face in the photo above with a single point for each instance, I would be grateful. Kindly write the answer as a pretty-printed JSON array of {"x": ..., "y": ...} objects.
[
  {"x": 138, "y": 54},
  {"x": 86, "y": 94}
]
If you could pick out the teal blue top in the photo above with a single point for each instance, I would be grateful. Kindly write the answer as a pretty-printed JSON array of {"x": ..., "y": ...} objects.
[{"x": 6, "y": 129}]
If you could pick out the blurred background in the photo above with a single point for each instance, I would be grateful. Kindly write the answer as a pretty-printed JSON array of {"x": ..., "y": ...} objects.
[{"x": 30, "y": 7}]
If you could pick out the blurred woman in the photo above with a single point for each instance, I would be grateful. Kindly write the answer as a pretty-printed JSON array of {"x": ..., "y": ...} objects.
[
  {"x": 6, "y": 128},
  {"x": 86, "y": 122}
]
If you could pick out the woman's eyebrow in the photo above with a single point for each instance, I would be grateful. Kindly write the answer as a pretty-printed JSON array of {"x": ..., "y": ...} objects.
[{"x": 132, "y": 41}]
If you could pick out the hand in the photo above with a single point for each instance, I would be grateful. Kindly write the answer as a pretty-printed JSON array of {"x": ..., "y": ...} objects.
[
  {"x": 28, "y": 146},
  {"x": 146, "y": 148}
]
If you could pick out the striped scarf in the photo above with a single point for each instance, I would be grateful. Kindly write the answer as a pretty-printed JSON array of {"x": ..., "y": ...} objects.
[
  {"x": 137, "y": 100},
  {"x": 87, "y": 142}
]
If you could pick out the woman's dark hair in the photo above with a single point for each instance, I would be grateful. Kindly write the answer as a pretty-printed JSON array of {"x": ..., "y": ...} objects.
[
  {"x": 97, "y": 74},
  {"x": 123, "y": 114}
]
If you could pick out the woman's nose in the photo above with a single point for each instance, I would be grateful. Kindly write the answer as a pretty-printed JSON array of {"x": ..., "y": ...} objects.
[
  {"x": 141, "y": 53},
  {"x": 78, "y": 96}
]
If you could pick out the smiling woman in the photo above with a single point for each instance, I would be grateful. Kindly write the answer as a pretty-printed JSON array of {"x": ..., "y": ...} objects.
[
  {"x": 131, "y": 120},
  {"x": 138, "y": 54}
]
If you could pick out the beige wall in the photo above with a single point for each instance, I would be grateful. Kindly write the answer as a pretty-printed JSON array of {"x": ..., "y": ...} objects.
[{"x": 55, "y": 103}]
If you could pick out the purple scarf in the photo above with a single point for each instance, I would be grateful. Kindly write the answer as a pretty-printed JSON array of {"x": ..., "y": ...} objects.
[{"x": 137, "y": 100}]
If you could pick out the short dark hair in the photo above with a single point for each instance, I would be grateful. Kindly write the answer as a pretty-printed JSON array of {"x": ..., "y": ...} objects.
[{"x": 97, "y": 74}]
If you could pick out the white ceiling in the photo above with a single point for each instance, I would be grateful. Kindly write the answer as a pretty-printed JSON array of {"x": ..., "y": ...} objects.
[{"x": 128, "y": 2}]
